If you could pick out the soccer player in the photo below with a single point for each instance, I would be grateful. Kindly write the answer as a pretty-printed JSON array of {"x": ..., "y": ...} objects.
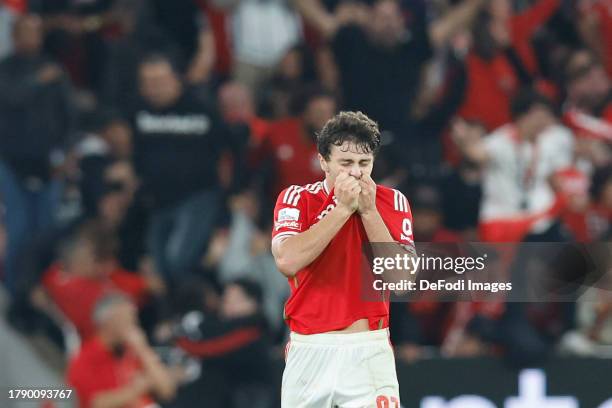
[{"x": 339, "y": 354}]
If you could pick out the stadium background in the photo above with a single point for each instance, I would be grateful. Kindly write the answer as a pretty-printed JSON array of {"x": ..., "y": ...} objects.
[{"x": 143, "y": 144}]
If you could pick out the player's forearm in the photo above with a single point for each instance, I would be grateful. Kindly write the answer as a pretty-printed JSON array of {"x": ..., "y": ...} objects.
[
  {"x": 375, "y": 227},
  {"x": 296, "y": 252},
  {"x": 378, "y": 233}
]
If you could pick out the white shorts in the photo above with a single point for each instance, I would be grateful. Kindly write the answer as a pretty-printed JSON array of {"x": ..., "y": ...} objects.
[{"x": 355, "y": 370}]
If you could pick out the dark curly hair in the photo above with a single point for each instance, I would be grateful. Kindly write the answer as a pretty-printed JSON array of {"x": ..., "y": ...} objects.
[{"x": 354, "y": 127}]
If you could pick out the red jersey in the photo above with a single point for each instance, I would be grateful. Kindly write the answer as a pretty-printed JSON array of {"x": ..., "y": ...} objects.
[
  {"x": 97, "y": 369},
  {"x": 76, "y": 296},
  {"x": 327, "y": 294}
]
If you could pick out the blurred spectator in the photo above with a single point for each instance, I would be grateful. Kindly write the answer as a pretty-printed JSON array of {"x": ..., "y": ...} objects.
[
  {"x": 247, "y": 255},
  {"x": 595, "y": 25},
  {"x": 461, "y": 189},
  {"x": 107, "y": 134},
  {"x": 237, "y": 106},
  {"x": 261, "y": 33},
  {"x": 9, "y": 11},
  {"x": 87, "y": 269},
  {"x": 178, "y": 142},
  {"x": 108, "y": 189},
  {"x": 599, "y": 219},
  {"x": 502, "y": 60},
  {"x": 76, "y": 34},
  {"x": 117, "y": 367},
  {"x": 290, "y": 145},
  {"x": 589, "y": 89},
  {"x": 380, "y": 53},
  {"x": 428, "y": 226},
  {"x": 106, "y": 196},
  {"x": 140, "y": 37},
  {"x": 419, "y": 149},
  {"x": 518, "y": 159},
  {"x": 292, "y": 73},
  {"x": 186, "y": 26},
  {"x": 573, "y": 185},
  {"x": 234, "y": 347},
  {"x": 36, "y": 121}
]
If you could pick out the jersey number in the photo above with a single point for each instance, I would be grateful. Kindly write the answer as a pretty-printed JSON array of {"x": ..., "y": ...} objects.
[{"x": 406, "y": 229}]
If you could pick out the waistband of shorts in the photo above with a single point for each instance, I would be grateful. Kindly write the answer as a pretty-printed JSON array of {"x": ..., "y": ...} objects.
[{"x": 341, "y": 338}]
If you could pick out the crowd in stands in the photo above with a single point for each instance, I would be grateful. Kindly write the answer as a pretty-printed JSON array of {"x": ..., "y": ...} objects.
[{"x": 143, "y": 144}]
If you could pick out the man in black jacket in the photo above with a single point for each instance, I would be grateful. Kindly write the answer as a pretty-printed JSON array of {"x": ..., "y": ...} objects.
[
  {"x": 234, "y": 346},
  {"x": 178, "y": 142},
  {"x": 36, "y": 119}
]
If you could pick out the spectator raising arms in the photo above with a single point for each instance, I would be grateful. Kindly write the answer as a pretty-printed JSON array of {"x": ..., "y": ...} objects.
[
  {"x": 502, "y": 60},
  {"x": 380, "y": 52},
  {"x": 518, "y": 161}
]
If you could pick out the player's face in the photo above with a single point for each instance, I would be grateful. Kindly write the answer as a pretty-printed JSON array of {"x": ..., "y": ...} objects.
[{"x": 348, "y": 158}]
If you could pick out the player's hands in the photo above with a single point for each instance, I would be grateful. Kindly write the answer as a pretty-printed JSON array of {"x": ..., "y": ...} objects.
[
  {"x": 347, "y": 191},
  {"x": 367, "y": 197}
]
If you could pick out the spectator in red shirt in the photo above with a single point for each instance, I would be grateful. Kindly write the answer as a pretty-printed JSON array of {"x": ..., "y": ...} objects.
[
  {"x": 502, "y": 60},
  {"x": 117, "y": 367},
  {"x": 87, "y": 271},
  {"x": 290, "y": 143}
]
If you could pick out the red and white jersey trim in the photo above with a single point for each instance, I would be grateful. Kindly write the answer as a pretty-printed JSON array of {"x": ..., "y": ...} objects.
[{"x": 400, "y": 203}]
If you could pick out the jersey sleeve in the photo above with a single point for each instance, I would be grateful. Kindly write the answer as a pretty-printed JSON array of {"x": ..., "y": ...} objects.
[
  {"x": 289, "y": 213},
  {"x": 399, "y": 220}
]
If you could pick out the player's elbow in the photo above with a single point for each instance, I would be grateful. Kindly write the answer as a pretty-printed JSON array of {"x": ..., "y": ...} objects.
[
  {"x": 286, "y": 259},
  {"x": 286, "y": 266}
]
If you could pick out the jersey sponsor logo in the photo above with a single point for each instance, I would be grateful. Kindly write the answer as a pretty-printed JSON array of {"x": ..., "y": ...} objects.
[
  {"x": 405, "y": 238},
  {"x": 288, "y": 224},
  {"x": 288, "y": 214}
]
